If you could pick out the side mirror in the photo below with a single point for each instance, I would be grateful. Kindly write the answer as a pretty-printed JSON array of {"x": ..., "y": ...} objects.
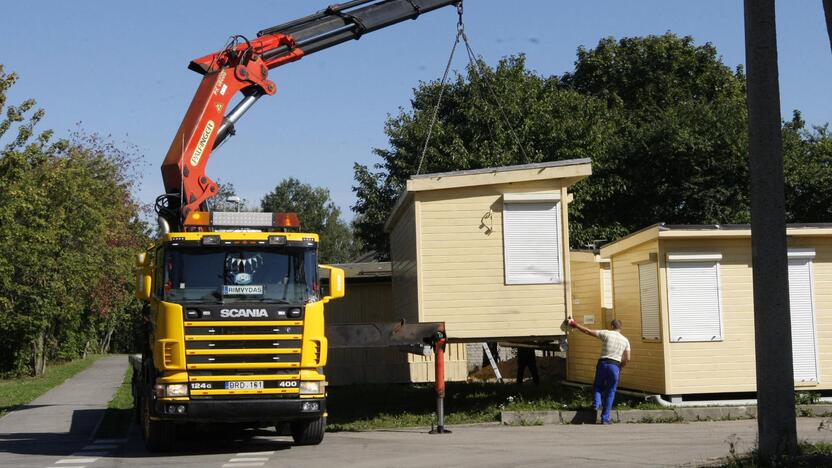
[
  {"x": 336, "y": 283},
  {"x": 143, "y": 278}
]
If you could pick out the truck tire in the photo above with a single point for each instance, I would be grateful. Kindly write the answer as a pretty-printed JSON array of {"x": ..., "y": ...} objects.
[
  {"x": 159, "y": 436},
  {"x": 308, "y": 431}
]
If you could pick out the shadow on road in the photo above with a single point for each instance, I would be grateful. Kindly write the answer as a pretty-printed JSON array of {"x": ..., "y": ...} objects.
[
  {"x": 52, "y": 443},
  {"x": 583, "y": 417},
  {"x": 192, "y": 440},
  {"x": 211, "y": 440}
]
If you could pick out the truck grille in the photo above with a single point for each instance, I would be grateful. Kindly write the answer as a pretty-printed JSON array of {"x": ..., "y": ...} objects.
[
  {"x": 217, "y": 352},
  {"x": 242, "y": 372},
  {"x": 244, "y": 344},
  {"x": 249, "y": 330}
]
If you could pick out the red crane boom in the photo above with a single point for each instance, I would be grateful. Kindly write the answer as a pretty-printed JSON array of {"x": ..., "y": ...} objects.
[{"x": 243, "y": 67}]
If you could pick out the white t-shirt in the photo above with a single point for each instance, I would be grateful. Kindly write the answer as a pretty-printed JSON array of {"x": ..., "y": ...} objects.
[{"x": 613, "y": 344}]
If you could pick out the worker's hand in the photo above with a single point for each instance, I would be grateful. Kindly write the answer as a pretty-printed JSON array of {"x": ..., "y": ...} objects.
[{"x": 572, "y": 323}]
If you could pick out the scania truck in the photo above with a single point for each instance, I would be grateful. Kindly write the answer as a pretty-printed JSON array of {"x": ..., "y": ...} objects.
[{"x": 234, "y": 307}]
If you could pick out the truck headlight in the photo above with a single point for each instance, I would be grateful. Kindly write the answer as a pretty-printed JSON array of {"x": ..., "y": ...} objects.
[
  {"x": 176, "y": 390},
  {"x": 311, "y": 388}
]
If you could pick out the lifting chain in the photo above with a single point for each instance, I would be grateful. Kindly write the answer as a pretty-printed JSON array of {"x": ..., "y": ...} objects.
[
  {"x": 477, "y": 67},
  {"x": 460, "y": 33}
]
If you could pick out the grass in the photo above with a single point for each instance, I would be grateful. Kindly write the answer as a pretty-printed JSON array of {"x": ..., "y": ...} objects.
[
  {"x": 380, "y": 406},
  {"x": 119, "y": 414},
  {"x": 810, "y": 456},
  {"x": 16, "y": 392}
]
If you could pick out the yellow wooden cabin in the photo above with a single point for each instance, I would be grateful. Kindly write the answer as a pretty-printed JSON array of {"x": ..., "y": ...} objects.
[
  {"x": 684, "y": 295},
  {"x": 486, "y": 251}
]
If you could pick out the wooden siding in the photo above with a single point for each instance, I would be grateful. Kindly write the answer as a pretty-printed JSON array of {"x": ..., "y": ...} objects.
[
  {"x": 371, "y": 302},
  {"x": 403, "y": 252},
  {"x": 423, "y": 368},
  {"x": 586, "y": 300},
  {"x": 646, "y": 370},
  {"x": 729, "y": 365},
  {"x": 721, "y": 366},
  {"x": 461, "y": 271}
]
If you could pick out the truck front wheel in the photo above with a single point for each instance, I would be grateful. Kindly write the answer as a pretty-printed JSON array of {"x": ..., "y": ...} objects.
[
  {"x": 159, "y": 436},
  {"x": 308, "y": 431}
]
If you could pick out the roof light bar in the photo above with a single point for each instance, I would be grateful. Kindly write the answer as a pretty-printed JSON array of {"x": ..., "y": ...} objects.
[
  {"x": 240, "y": 219},
  {"x": 232, "y": 219}
]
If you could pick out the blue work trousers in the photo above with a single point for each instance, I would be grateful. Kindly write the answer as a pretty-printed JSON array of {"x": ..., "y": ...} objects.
[{"x": 606, "y": 382}]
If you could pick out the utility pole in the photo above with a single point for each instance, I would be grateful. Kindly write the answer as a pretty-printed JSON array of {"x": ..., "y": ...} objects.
[
  {"x": 827, "y": 9},
  {"x": 772, "y": 321}
]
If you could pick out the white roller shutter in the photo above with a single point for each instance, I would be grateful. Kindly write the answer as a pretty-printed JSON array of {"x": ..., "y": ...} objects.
[
  {"x": 531, "y": 242},
  {"x": 648, "y": 285},
  {"x": 606, "y": 277},
  {"x": 694, "y": 301},
  {"x": 801, "y": 304}
]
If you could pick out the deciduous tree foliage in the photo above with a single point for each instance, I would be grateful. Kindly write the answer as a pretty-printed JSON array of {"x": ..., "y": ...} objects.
[
  {"x": 68, "y": 232},
  {"x": 317, "y": 214},
  {"x": 663, "y": 119},
  {"x": 679, "y": 154},
  {"x": 807, "y": 157},
  {"x": 472, "y": 131}
]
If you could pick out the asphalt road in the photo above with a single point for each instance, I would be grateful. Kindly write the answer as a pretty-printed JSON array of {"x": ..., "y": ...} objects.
[
  {"x": 54, "y": 431},
  {"x": 622, "y": 445}
]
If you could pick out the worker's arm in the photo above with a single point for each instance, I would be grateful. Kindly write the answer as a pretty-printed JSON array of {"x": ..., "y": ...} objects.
[
  {"x": 574, "y": 324},
  {"x": 625, "y": 358}
]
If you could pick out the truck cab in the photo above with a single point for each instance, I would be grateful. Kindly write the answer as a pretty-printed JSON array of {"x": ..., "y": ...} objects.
[{"x": 234, "y": 330}]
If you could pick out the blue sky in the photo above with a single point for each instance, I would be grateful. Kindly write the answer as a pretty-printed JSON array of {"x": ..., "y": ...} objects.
[{"x": 119, "y": 69}]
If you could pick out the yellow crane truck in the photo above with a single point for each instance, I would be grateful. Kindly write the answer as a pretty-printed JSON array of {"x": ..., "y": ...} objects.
[
  {"x": 235, "y": 333},
  {"x": 234, "y": 308}
]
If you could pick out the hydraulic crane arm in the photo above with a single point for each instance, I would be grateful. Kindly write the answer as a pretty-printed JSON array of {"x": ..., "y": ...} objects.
[{"x": 243, "y": 67}]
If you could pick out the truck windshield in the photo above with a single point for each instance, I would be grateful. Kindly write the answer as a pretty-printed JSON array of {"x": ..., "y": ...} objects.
[{"x": 245, "y": 274}]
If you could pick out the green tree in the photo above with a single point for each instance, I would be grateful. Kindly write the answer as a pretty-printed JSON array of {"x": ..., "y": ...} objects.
[
  {"x": 807, "y": 157},
  {"x": 663, "y": 119},
  {"x": 507, "y": 115},
  {"x": 317, "y": 214},
  {"x": 70, "y": 227},
  {"x": 679, "y": 155}
]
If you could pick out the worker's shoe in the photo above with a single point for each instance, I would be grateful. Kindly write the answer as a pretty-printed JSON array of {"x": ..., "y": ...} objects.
[{"x": 598, "y": 413}]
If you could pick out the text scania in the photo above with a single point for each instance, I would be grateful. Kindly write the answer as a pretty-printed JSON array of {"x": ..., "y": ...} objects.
[
  {"x": 247, "y": 313},
  {"x": 202, "y": 143}
]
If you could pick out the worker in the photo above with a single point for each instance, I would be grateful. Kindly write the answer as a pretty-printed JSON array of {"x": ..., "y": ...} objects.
[
  {"x": 526, "y": 358},
  {"x": 615, "y": 354}
]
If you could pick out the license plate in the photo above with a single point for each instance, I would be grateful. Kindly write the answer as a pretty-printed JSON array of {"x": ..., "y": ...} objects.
[{"x": 245, "y": 385}]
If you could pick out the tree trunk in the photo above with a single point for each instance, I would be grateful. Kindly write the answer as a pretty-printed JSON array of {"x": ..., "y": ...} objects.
[
  {"x": 39, "y": 355},
  {"x": 104, "y": 347}
]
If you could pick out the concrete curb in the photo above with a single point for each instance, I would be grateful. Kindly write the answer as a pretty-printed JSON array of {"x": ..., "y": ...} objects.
[{"x": 711, "y": 413}]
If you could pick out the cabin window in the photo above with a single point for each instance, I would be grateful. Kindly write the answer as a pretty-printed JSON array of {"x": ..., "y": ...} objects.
[
  {"x": 531, "y": 243},
  {"x": 648, "y": 285},
  {"x": 694, "y": 298},
  {"x": 802, "y": 307}
]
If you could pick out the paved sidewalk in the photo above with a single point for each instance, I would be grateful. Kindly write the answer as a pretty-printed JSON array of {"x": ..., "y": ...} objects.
[{"x": 64, "y": 418}]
